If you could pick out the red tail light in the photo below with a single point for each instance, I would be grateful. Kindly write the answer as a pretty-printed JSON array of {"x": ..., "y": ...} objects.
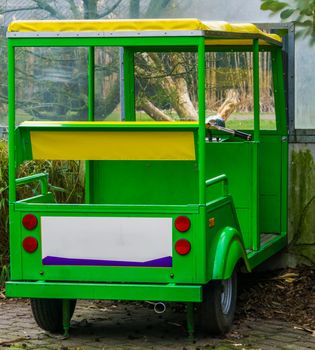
[
  {"x": 182, "y": 223},
  {"x": 182, "y": 246},
  {"x": 29, "y": 221},
  {"x": 30, "y": 244}
]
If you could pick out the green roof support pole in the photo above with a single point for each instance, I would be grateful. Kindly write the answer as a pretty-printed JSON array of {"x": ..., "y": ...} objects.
[
  {"x": 129, "y": 85},
  {"x": 201, "y": 157},
  {"x": 91, "y": 84},
  {"x": 11, "y": 102},
  {"x": 121, "y": 84},
  {"x": 255, "y": 195},
  {"x": 91, "y": 91},
  {"x": 15, "y": 246},
  {"x": 256, "y": 89},
  {"x": 277, "y": 72},
  {"x": 202, "y": 121}
]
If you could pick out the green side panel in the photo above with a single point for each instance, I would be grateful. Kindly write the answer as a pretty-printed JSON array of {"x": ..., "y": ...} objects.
[
  {"x": 224, "y": 243},
  {"x": 170, "y": 292},
  {"x": 270, "y": 169},
  {"x": 267, "y": 250},
  {"x": 15, "y": 244},
  {"x": 144, "y": 182},
  {"x": 29, "y": 266},
  {"x": 235, "y": 160},
  {"x": 244, "y": 217},
  {"x": 23, "y": 149}
]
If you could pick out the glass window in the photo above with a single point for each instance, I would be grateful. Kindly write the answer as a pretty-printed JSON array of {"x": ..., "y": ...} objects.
[
  {"x": 51, "y": 84},
  {"x": 107, "y": 83},
  {"x": 166, "y": 86},
  {"x": 229, "y": 89}
]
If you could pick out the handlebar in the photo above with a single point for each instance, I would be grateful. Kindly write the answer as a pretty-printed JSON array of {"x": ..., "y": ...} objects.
[{"x": 233, "y": 132}]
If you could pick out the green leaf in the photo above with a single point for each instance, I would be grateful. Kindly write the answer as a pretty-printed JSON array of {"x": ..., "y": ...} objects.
[
  {"x": 273, "y": 5},
  {"x": 56, "y": 188},
  {"x": 279, "y": 6},
  {"x": 307, "y": 12},
  {"x": 304, "y": 5},
  {"x": 307, "y": 23},
  {"x": 266, "y": 4},
  {"x": 286, "y": 13}
]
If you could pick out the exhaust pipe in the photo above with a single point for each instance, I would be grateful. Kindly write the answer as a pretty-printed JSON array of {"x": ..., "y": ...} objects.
[{"x": 158, "y": 307}]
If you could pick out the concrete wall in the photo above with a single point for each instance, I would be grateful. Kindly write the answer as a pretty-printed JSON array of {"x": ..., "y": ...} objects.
[{"x": 302, "y": 204}]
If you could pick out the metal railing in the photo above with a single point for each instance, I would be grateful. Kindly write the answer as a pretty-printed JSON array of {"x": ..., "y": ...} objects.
[
  {"x": 221, "y": 178},
  {"x": 41, "y": 177}
]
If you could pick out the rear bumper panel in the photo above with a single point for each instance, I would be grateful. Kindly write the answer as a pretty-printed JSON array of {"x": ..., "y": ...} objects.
[{"x": 154, "y": 292}]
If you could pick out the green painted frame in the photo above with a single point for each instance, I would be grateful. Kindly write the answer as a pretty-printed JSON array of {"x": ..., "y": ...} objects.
[{"x": 197, "y": 44}]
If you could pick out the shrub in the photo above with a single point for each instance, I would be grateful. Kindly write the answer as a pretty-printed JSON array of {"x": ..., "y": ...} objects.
[{"x": 67, "y": 178}]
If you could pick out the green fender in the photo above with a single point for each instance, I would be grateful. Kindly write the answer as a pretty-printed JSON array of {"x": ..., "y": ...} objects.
[{"x": 230, "y": 249}]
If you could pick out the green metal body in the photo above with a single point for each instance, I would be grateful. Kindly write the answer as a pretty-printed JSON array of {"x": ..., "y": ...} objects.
[{"x": 232, "y": 193}]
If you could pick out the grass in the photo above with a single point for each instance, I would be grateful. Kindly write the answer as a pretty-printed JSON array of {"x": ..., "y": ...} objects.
[
  {"x": 265, "y": 124},
  {"x": 241, "y": 121}
]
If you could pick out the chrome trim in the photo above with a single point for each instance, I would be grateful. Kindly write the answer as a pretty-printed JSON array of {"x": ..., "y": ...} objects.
[
  {"x": 209, "y": 34},
  {"x": 106, "y": 34}
]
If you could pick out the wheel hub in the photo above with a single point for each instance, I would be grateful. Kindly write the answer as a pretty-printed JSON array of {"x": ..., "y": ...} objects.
[{"x": 226, "y": 296}]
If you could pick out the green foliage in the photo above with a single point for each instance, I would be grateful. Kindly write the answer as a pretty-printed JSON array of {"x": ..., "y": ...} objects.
[
  {"x": 287, "y": 13},
  {"x": 273, "y": 5},
  {"x": 4, "y": 271},
  {"x": 302, "y": 12},
  {"x": 4, "y": 212},
  {"x": 66, "y": 177}
]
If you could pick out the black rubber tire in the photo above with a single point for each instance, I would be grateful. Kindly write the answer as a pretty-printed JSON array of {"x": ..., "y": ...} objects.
[
  {"x": 213, "y": 320},
  {"x": 48, "y": 313}
]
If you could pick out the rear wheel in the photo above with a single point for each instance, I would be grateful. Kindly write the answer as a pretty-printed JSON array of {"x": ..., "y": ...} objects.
[
  {"x": 48, "y": 313},
  {"x": 218, "y": 307}
]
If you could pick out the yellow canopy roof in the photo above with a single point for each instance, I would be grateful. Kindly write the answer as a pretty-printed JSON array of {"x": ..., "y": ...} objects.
[{"x": 123, "y": 25}]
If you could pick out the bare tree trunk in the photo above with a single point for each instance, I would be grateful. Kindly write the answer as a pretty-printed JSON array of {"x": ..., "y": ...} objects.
[
  {"x": 176, "y": 87},
  {"x": 90, "y": 9},
  {"x": 156, "y": 7},
  {"x": 211, "y": 78},
  {"x": 154, "y": 112},
  {"x": 134, "y": 9}
]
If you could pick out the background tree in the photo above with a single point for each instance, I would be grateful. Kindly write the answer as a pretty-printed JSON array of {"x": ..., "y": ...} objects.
[
  {"x": 63, "y": 97},
  {"x": 302, "y": 12}
]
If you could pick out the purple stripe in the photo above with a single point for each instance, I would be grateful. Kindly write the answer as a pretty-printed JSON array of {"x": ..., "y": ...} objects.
[{"x": 54, "y": 260}]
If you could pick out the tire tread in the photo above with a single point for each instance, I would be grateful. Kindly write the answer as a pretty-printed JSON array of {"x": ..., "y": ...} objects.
[{"x": 48, "y": 313}]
